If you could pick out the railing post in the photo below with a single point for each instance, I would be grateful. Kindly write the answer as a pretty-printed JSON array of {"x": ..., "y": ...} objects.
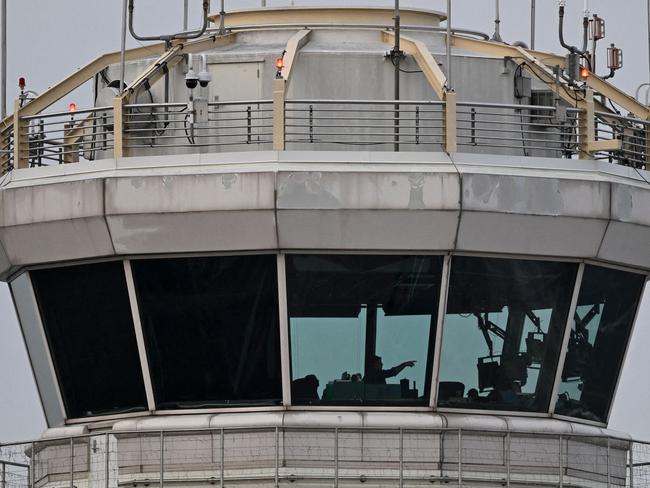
[
  {"x": 71, "y": 149},
  {"x": 32, "y": 466},
  {"x": 586, "y": 124},
  {"x": 336, "y": 457},
  {"x": 118, "y": 127},
  {"x": 249, "y": 131},
  {"x": 21, "y": 139},
  {"x": 609, "y": 476},
  {"x": 401, "y": 458},
  {"x": 507, "y": 460},
  {"x": 460, "y": 457},
  {"x": 106, "y": 461},
  {"x": 631, "y": 461},
  {"x": 162, "y": 459},
  {"x": 221, "y": 462},
  {"x": 279, "y": 86},
  {"x": 646, "y": 133},
  {"x": 277, "y": 457},
  {"x": 71, "y": 462},
  {"x": 560, "y": 464},
  {"x": 450, "y": 141},
  {"x": 3, "y": 477}
]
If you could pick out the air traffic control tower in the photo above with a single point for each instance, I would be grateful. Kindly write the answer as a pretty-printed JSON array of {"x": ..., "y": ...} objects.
[{"x": 327, "y": 247}]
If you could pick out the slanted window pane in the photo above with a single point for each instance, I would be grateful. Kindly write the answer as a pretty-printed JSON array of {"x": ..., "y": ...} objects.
[
  {"x": 503, "y": 332},
  {"x": 362, "y": 328},
  {"x": 601, "y": 329},
  {"x": 89, "y": 326},
  {"x": 211, "y": 330}
]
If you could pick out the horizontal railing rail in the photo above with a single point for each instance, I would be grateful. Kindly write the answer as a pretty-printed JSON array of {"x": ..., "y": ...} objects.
[
  {"x": 405, "y": 125},
  {"x": 241, "y": 123},
  {"x": 527, "y": 130},
  {"x": 67, "y": 137},
  {"x": 331, "y": 455},
  {"x": 364, "y": 123}
]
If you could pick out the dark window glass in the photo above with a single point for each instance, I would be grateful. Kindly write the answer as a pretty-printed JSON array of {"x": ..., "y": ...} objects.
[
  {"x": 89, "y": 327},
  {"x": 503, "y": 332},
  {"x": 601, "y": 329},
  {"x": 362, "y": 328},
  {"x": 211, "y": 330}
]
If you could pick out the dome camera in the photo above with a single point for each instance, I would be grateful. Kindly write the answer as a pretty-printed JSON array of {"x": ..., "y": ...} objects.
[
  {"x": 191, "y": 79},
  {"x": 205, "y": 78}
]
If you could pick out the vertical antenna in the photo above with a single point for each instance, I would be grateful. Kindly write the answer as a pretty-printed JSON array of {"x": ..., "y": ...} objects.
[
  {"x": 185, "y": 15},
  {"x": 263, "y": 3},
  {"x": 3, "y": 74},
  {"x": 123, "y": 48},
  {"x": 222, "y": 19},
  {"x": 448, "y": 53},
  {"x": 395, "y": 57},
  {"x": 497, "y": 22},
  {"x": 532, "y": 24}
]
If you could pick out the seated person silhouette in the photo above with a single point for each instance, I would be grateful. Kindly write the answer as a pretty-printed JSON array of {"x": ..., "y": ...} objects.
[
  {"x": 376, "y": 374},
  {"x": 306, "y": 389}
]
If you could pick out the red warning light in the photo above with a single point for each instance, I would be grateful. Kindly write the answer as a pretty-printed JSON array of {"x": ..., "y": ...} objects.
[
  {"x": 72, "y": 107},
  {"x": 22, "y": 83},
  {"x": 279, "y": 64},
  {"x": 584, "y": 73}
]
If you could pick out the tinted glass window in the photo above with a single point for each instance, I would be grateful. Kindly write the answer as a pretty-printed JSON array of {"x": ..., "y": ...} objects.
[
  {"x": 211, "y": 330},
  {"x": 503, "y": 332},
  {"x": 362, "y": 328},
  {"x": 601, "y": 328},
  {"x": 89, "y": 327}
]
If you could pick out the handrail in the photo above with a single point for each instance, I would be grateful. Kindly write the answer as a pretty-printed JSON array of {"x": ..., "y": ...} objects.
[
  {"x": 457, "y": 453},
  {"x": 499, "y": 128}
]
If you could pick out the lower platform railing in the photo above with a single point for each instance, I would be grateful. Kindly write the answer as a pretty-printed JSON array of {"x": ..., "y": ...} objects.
[{"x": 320, "y": 456}]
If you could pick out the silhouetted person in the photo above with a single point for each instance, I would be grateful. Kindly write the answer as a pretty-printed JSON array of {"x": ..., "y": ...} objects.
[
  {"x": 306, "y": 389},
  {"x": 472, "y": 395},
  {"x": 376, "y": 374}
]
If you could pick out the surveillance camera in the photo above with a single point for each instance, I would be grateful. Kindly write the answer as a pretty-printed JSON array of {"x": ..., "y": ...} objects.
[
  {"x": 205, "y": 78},
  {"x": 191, "y": 79}
]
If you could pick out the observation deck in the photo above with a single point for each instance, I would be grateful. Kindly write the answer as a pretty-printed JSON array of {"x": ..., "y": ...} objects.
[{"x": 292, "y": 275}]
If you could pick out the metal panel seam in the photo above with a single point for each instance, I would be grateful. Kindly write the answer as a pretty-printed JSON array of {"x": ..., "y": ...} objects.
[
  {"x": 104, "y": 216},
  {"x": 460, "y": 200},
  {"x": 609, "y": 221}
]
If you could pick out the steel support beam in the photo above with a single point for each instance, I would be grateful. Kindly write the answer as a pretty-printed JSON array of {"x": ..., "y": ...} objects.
[
  {"x": 425, "y": 60},
  {"x": 279, "y": 87},
  {"x": 297, "y": 41}
]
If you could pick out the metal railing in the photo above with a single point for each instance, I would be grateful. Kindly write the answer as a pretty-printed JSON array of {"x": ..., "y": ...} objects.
[
  {"x": 6, "y": 149},
  {"x": 171, "y": 125},
  {"x": 170, "y": 128},
  {"x": 633, "y": 135},
  {"x": 332, "y": 456},
  {"x": 67, "y": 137},
  {"x": 365, "y": 123},
  {"x": 527, "y": 130}
]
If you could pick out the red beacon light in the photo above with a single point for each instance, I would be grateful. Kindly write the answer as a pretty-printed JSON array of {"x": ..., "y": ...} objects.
[
  {"x": 584, "y": 73},
  {"x": 279, "y": 64},
  {"x": 72, "y": 107},
  {"x": 22, "y": 83}
]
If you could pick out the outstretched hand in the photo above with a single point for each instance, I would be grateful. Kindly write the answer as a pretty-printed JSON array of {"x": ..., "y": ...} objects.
[{"x": 409, "y": 364}]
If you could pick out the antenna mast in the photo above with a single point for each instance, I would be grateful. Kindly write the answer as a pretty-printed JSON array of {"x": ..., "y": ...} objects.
[
  {"x": 497, "y": 22},
  {"x": 532, "y": 24}
]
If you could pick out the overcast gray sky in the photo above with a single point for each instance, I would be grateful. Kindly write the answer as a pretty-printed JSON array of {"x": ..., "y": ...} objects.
[{"x": 48, "y": 39}]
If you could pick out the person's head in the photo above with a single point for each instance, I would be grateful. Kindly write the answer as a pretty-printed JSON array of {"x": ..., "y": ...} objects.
[
  {"x": 312, "y": 380},
  {"x": 377, "y": 363}
]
